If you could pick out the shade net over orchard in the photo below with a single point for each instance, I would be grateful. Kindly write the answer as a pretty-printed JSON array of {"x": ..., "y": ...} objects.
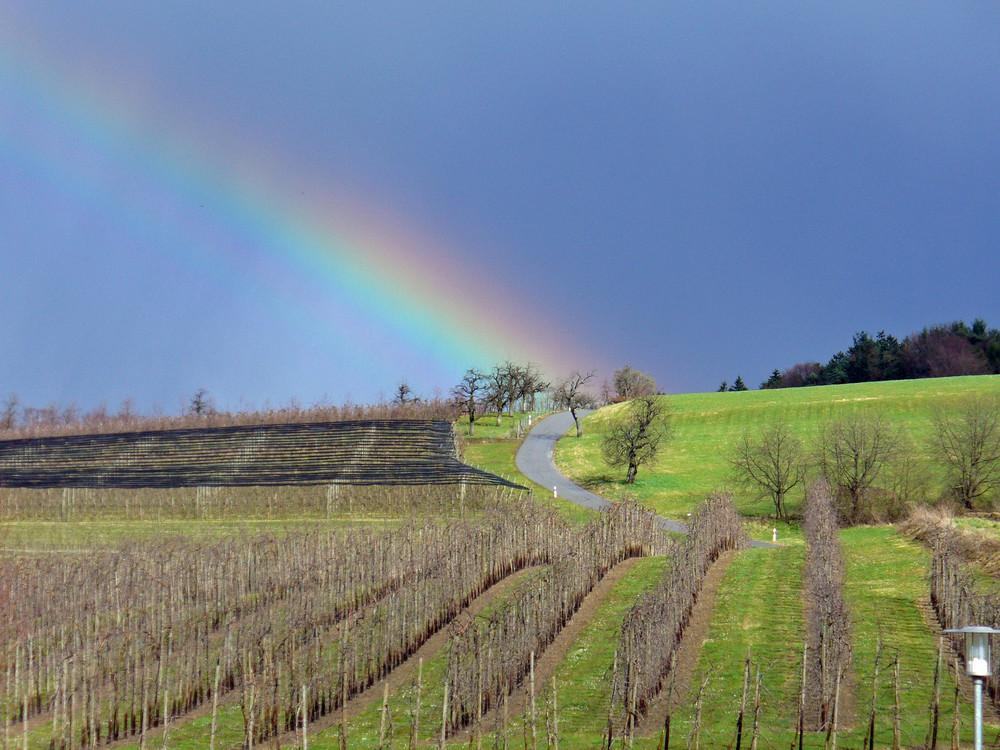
[{"x": 384, "y": 452}]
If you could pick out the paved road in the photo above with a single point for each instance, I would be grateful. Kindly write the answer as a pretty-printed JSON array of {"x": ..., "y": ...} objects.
[{"x": 534, "y": 460}]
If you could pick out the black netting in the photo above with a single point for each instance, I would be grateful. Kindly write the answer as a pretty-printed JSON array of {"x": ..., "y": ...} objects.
[{"x": 359, "y": 453}]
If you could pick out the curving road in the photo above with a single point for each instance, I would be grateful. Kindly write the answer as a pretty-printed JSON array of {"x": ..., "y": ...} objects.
[{"x": 534, "y": 459}]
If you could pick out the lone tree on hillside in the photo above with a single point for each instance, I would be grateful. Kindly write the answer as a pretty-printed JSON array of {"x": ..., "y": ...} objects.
[
  {"x": 634, "y": 438},
  {"x": 967, "y": 444},
  {"x": 631, "y": 383},
  {"x": 465, "y": 394},
  {"x": 769, "y": 461},
  {"x": 569, "y": 394},
  {"x": 852, "y": 453}
]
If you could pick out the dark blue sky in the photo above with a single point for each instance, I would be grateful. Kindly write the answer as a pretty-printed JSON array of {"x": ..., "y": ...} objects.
[{"x": 700, "y": 190}]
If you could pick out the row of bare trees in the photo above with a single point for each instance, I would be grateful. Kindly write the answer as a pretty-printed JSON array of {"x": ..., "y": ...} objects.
[
  {"x": 873, "y": 464},
  {"x": 828, "y": 641},
  {"x": 510, "y": 384},
  {"x": 241, "y": 503},
  {"x": 652, "y": 630},
  {"x": 959, "y": 602},
  {"x": 108, "y": 644},
  {"x": 506, "y": 387},
  {"x": 20, "y": 421},
  {"x": 488, "y": 660},
  {"x": 105, "y": 641}
]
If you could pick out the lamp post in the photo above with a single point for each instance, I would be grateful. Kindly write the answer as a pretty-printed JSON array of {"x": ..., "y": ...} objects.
[{"x": 977, "y": 666}]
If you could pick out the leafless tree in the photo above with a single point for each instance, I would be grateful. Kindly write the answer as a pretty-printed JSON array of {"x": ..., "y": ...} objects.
[
  {"x": 852, "y": 454},
  {"x": 127, "y": 412},
  {"x": 498, "y": 390},
  {"x": 770, "y": 461},
  {"x": 631, "y": 383},
  {"x": 827, "y": 619},
  {"x": 651, "y": 632},
  {"x": 967, "y": 445},
  {"x": 907, "y": 480},
  {"x": 569, "y": 394},
  {"x": 8, "y": 415},
  {"x": 941, "y": 352},
  {"x": 201, "y": 403},
  {"x": 465, "y": 393},
  {"x": 532, "y": 383},
  {"x": 634, "y": 438},
  {"x": 515, "y": 376},
  {"x": 404, "y": 395}
]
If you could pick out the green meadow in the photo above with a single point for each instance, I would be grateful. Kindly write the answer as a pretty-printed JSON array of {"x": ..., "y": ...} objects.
[
  {"x": 693, "y": 464},
  {"x": 493, "y": 448}
]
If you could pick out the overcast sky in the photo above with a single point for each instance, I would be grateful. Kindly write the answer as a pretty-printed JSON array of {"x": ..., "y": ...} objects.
[{"x": 699, "y": 190}]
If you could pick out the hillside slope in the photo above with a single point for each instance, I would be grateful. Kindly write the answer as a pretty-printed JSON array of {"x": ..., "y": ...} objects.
[{"x": 694, "y": 464}]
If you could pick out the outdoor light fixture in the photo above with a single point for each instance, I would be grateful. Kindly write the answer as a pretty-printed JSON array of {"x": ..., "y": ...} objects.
[{"x": 977, "y": 666}]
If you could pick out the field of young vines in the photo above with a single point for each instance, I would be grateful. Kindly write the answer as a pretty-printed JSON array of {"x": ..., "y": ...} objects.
[{"x": 471, "y": 616}]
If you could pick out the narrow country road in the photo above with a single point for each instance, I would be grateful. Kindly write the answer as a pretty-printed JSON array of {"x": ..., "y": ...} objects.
[{"x": 535, "y": 460}]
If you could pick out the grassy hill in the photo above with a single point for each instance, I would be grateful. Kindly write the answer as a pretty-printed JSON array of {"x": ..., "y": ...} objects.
[{"x": 705, "y": 424}]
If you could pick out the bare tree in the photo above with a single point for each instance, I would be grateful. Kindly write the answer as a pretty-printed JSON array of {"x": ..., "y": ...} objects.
[
  {"x": 517, "y": 383},
  {"x": 631, "y": 383},
  {"x": 201, "y": 403},
  {"x": 827, "y": 618},
  {"x": 941, "y": 352},
  {"x": 8, "y": 414},
  {"x": 127, "y": 412},
  {"x": 769, "y": 461},
  {"x": 907, "y": 478},
  {"x": 569, "y": 394},
  {"x": 967, "y": 445},
  {"x": 473, "y": 383},
  {"x": 534, "y": 383},
  {"x": 852, "y": 454},
  {"x": 498, "y": 390},
  {"x": 634, "y": 438},
  {"x": 404, "y": 395}
]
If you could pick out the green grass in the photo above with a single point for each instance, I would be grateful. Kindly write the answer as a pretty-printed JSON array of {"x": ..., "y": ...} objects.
[
  {"x": 985, "y": 525},
  {"x": 693, "y": 464},
  {"x": 758, "y": 606},
  {"x": 885, "y": 582},
  {"x": 486, "y": 425},
  {"x": 83, "y": 535},
  {"x": 582, "y": 679},
  {"x": 495, "y": 454},
  {"x": 582, "y": 682}
]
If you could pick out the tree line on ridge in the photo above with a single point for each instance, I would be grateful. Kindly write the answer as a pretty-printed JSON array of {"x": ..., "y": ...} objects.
[{"x": 936, "y": 351}]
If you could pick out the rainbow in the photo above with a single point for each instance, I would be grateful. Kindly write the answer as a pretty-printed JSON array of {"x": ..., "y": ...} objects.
[{"x": 294, "y": 238}]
